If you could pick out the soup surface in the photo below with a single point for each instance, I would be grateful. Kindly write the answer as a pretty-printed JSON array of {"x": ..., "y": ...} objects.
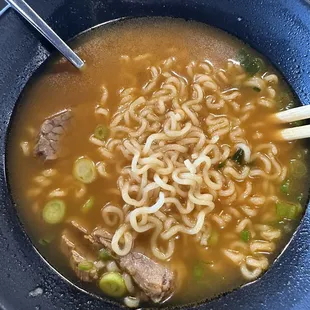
[{"x": 162, "y": 176}]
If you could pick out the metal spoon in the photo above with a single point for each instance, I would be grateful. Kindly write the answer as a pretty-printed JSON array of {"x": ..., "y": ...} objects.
[{"x": 37, "y": 22}]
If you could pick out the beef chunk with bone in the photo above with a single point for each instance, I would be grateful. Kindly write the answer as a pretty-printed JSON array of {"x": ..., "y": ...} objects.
[{"x": 51, "y": 131}]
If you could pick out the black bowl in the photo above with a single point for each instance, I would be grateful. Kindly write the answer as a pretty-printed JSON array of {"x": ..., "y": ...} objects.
[{"x": 278, "y": 29}]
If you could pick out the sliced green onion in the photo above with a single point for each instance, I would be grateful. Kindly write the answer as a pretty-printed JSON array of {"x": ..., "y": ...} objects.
[
  {"x": 214, "y": 238},
  {"x": 300, "y": 197},
  {"x": 101, "y": 132},
  {"x": 88, "y": 205},
  {"x": 104, "y": 254},
  {"x": 285, "y": 101},
  {"x": 54, "y": 211},
  {"x": 199, "y": 270},
  {"x": 290, "y": 105},
  {"x": 301, "y": 153},
  {"x": 290, "y": 187},
  {"x": 298, "y": 169},
  {"x": 113, "y": 284},
  {"x": 259, "y": 64},
  {"x": 45, "y": 241},
  {"x": 245, "y": 235},
  {"x": 285, "y": 186},
  {"x": 84, "y": 170},
  {"x": 284, "y": 97},
  {"x": 287, "y": 227},
  {"x": 238, "y": 156},
  {"x": 257, "y": 89},
  {"x": 277, "y": 223},
  {"x": 286, "y": 210},
  {"x": 85, "y": 265}
]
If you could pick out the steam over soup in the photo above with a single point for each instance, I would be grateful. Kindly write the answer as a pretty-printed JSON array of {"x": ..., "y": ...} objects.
[{"x": 155, "y": 175}]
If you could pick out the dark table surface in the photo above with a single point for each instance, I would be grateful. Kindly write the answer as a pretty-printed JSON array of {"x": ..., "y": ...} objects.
[{"x": 2, "y": 3}]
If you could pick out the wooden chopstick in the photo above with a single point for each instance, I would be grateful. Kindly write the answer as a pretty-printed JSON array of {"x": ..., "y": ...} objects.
[
  {"x": 294, "y": 133},
  {"x": 292, "y": 115}
]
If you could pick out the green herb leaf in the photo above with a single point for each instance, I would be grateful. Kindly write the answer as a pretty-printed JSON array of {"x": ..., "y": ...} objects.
[
  {"x": 243, "y": 56},
  {"x": 250, "y": 64}
]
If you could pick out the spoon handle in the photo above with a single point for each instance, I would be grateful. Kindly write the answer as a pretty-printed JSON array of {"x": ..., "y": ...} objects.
[{"x": 37, "y": 22}]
